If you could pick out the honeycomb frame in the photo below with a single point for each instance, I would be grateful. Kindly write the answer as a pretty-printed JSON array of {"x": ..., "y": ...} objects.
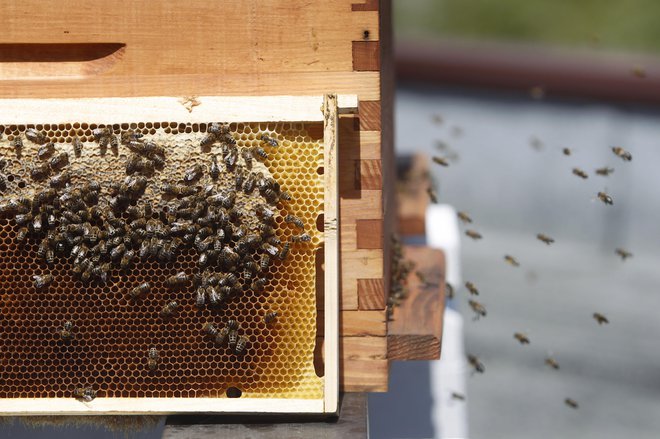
[{"x": 238, "y": 111}]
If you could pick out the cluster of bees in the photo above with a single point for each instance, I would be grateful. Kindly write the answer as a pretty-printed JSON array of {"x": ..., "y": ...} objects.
[
  {"x": 477, "y": 307},
  {"x": 106, "y": 230}
]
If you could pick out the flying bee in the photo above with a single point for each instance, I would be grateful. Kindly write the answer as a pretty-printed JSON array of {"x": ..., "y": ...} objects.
[
  {"x": 450, "y": 290},
  {"x": 606, "y": 199},
  {"x": 240, "y": 345},
  {"x": 571, "y": 403},
  {"x": 551, "y": 362},
  {"x": 472, "y": 288},
  {"x": 476, "y": 364},
  {"x": 169, "y": 310},
  {"x": 600, "y": 318},
  {"x": 522, "y": 338},
  {"x": 440, "y": 161},
  {"x": 580, "y": 173},
  {"x": 511, "y": 261},
  {"x": 46, "y": 151},
  {"x": 457, "y": 396},
  {"x": 35, "y": 136},
  {"x": 66, "y": 333},
  {"x": 247, "y": 158},
  {"x": 604, "y": 171},
  {"x": 566, "y": 151},
  {"x": 153, "y": 358},
  {"x": 624, "y": 254},
  {"x": 214, "y": 170},
  {"x": 545, "y": 238},
  {"x": 193, "y": 174},
  {"x": 179, "y": 280},
  {"x": 59, "y": 161},
  {"x": 432, "y": 195},
  {"x": 285, "y": 251},
  {"x": 42, "y": 281},
  {"x": 620, "y": 152},
  {"x": 270, "y": 317},
  {"x": 292, "y": 219},
  {"x": 478, "y": 308},
  {"x": 140, "y": 291},
  {"x": 39, "y": 171},
  {"x": 464, "y": 217},
  {"x": 87, "y": 394},
  {"x": 473, "y": 234},
  {"x": 303, "y": 237},
  {"x": 269, "y": 141}
]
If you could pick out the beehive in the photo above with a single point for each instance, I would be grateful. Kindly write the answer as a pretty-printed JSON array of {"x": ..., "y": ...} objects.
[{"x": 113, "y": 333}]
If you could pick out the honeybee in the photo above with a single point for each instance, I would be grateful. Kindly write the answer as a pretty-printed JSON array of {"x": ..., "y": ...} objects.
[
  {"x": 580, "y": 173},
  {"x": 153, "y": 358},
  {"x": 46, "y": 151},
  {"x": 605, "y": 198},
  {"x": 457, "y": 396},
  {"x": 3, "y": 183},
  {"x": 100, "y": 133},
  {"x": 178, "y": 280},
  {"x": 222, "y": 336},
  {"x": 269, "y": 141},
  {"x": 478, "y": 308},
  {"x": 464, "y": 217},
  {"x": 604, "y": 171},
  {"x": 218, "y": 129},
  {"x": 60, "y": 180},
  {"x": 17, "y": 143},
  {"x": 511, "y": 261},
  {"x": 35, "y": 136},
  {"x": 566, "y": 151},
  {"x": 39, "y": 171},
  {"x": 130, "y": 135},
  {"x": 240, "y": 345},
  {"x": 270, "y": 317},
  {"x": 544, "y": 238},
  {"x": 265, "y": 213},
  {"x": 522, "y": 338},
  {"x": 247, "y": 158},
  {"x": 472, "y": 288},
  {"x": 303, "y": 237},
  {"x": 87, "y": 394},
  {"x": 473, "y": 234},
  {"x": 21, "y": 235},
  {"x": 476, "y": 364},
  {"x": 200, "y": 297},
  {"x": 208, "y": 140},
  {"x": 140, "y": 290},
  {"x": 59, "y": 161},
  {"x": 600, "y": 318},
  {"x": 214, "y": 169},
  {"x": 432, "y": 195},
  {"x": 169, "y": 309},
  {"x": 258, "y": 151},
  {"x": 264, "y": 262},
  {"x": 231, "y": 157},
  {"x": 66, "y": 333},
  {"x": 42, "y": 281},
  {"x": 440, "y": 161},
  {"x": 450, "y": 290},
  {"x": 624, "y": 254},
  {"x": 292, "y": 219},
  {"x": 551, "y": 362},
  {"x": 126, "y": 260},
  {"x": 233, "y": 338},
  {"x": 571, "y": 403},
  {"x": 258, "y": 285},
  {"x": 620, "y": 152}
]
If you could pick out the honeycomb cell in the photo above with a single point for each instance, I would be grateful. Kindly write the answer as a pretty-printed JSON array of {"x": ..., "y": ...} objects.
[{"x": 111, "y": 332}]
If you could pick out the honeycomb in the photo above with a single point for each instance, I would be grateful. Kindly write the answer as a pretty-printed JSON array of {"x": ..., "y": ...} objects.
[{"x": 112, "y": 334}]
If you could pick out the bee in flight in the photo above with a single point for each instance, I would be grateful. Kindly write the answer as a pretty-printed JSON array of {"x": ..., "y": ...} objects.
[
  {"x": 473, "y": 234},
  {"x": 545, "y": 238},
  {"x": 602, "y": 196},
  {"x": 600, "y": 318},
  {"x": 522, "y": 338},
  {"x": 476, "y": 364},
  {"x": 551, "y": 362},
  {"x": 604, "y": 171},
  {"x": 440, "y": 161},
  {"x": 624, "y": 254},
  {"x": 457, "y": 396},
  {"x": 478, "y": 308},
  {"x": 432, "y": 195},
  {"x": 580, "y": 173},
  {"x": 511, "y": 261},
  {"x": 472, "y": 288},
  {"x": 450, "y": 290},
  {"x": 566, "y": 151},
  {"x": 571, "y": 403},
  {"x": 464, "y": 217},
  {"x": 620, "y": 152}
]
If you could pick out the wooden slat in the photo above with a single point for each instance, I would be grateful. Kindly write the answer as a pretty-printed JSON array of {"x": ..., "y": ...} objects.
[
  {"x": 366, "y": 56},
  {"x": 366, "y": 5},
  {"x": 369, "y": 233},
  {"x": 357, "y": 324},
  {"x": 370, "y": 175},
  {"x": 415, "y": 330},
  {"x": 369, "y": 115},
  {"x": 371, "y": 294},
  {"x": 365, "y": 375}
]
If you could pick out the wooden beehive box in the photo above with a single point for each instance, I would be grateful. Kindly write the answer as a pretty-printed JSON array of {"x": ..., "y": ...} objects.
[{"x": 252, "y": 48}]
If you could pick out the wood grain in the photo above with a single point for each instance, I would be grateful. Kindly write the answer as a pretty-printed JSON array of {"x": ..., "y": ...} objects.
[
  {"x": 369, "y": 174},
  {"x": 366, "y": 56},
  {"x": 365, "y": 375},
  {"x": 415, "y": 331},
  {"x": 369, "y": 233},
  {"x": 371, "y": 294},
  {"x": 357, "y": 324},
  {"x": 369, "y": 115}
]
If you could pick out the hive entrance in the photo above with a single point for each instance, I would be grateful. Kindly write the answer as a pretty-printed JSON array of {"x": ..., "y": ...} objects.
[{"x": 112, "y": 333}]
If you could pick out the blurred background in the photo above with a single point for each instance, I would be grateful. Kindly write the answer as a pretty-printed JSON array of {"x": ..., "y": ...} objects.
[{"x": 500, "y": 88}]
